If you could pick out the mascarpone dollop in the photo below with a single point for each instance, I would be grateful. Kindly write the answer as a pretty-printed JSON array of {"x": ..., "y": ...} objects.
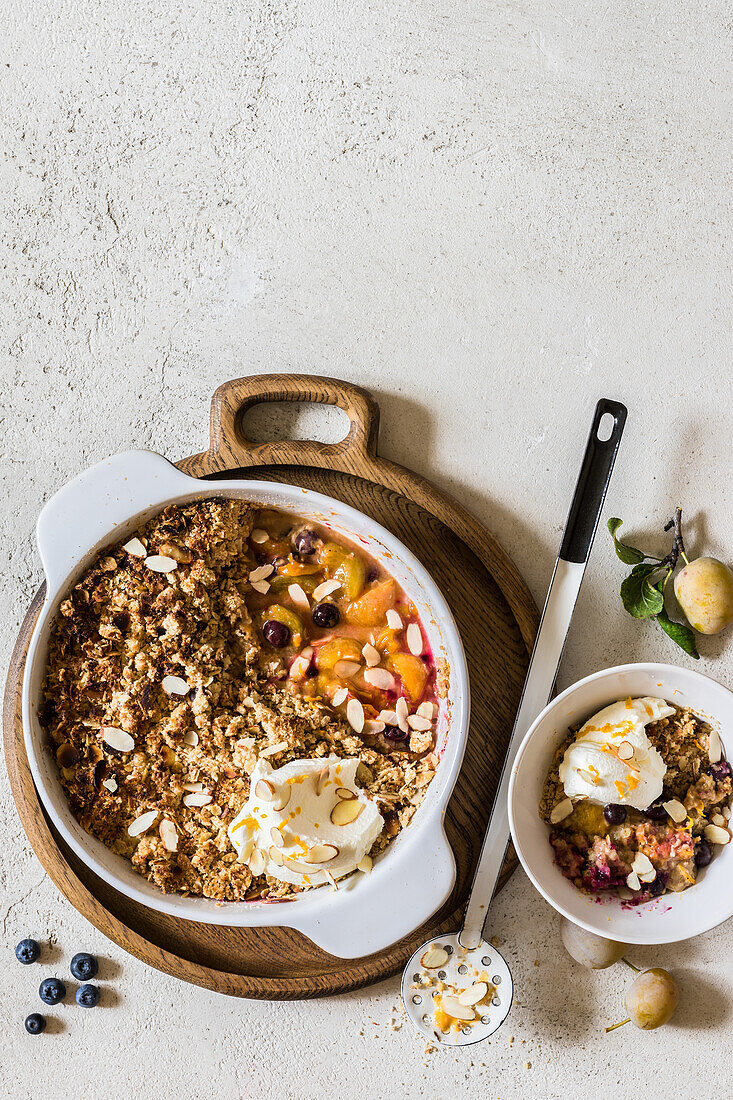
[
  {"x": 612, "y": 759},
  {"x": 291, "y": 829}
]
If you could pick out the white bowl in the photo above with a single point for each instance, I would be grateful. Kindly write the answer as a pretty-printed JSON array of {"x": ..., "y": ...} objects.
[
  {"x": 415, "y": 875},
  {"x": 666, "y": 919}
]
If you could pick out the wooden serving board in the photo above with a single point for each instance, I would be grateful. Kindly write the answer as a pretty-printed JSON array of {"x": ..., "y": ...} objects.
[{"x": 497, "y": 619}]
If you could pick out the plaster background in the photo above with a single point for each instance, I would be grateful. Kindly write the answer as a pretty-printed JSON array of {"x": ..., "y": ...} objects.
[{"x": 490, "y": 214}]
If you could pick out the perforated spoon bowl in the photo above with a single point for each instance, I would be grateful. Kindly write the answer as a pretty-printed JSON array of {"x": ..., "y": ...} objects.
[{"x": 440, "y": 973}]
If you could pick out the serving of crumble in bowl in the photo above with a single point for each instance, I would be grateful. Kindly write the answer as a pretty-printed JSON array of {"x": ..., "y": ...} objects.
[
  {"x": 245, "y": 704},
  {"x": 620, "y": 803}
]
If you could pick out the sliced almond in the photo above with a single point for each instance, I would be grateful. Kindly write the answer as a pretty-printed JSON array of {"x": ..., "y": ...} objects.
[
  {"x": 346, "y": 669},
  {"x": 246, "y": 850},
  {"x": 299, "y": 597},
  {"x": 714, "y": 834},
  {"x": 320, "y": 779},
  {"x": 259, "y": 536},
  {"x": 331, "y": 879},
  {"x": 365, "y": 864},
  {"x": 271, "y": 750},
  {"x": 261, "y": 573},
  {"x": 473, "y": 994},
  {"x": 282, "y": 797},
  {"x": 265, "y": 790},
  {"x": 340, "y": 696},
  {"x": 647, "y": 876},
  {"x": 345, "y": 812},
  {"x": 175, "y": 685},
  {"x": 379, "y": 678},
  {"x": 277, "y": 838},
  {"x": 117, "y": 739},
  {"x": 191, "y": 738},
  {"x": 135, "y": 548},
  {"x": 193, "y": 786},
  {"x": 372, "y": 726},
  {"x": 159, "y": 563},
  {"x": 426, "y": 710},
  {"x": 196, "y": 799},
  {"x": 626, "y": 750},
  {"x": 675, "y": 809},
  {"x": 389, "y": 717},
  {"x": 169, "y": 835},
  {"x": 276, "y": 856},
  {"x": 142, "y": 823},
  {"x": 355, "y": 715},
  {"x": 257, "y": 862},
  {"x": 394, "y": 621},
  {"x": 434, "y": 957},
  {"x": 453, "y": 1007},
  {"x": 322, "y": 853},
  {"x": 371, "y": 655},
  {"x": 718, "y": 819},
  {"x": 642, "y": 864},
  {"x": 326, "y": 589},
  {"x": 414, "y": 639},
  {"x": 296, "y": 865},
  {"x": 415, "y": 722},
  {"x": 715, "y": 748},
  {"x": 632, "y": 881},
  {"x": 401, "y": 712},
  {"x": 263, "y": 587},
  {"x": 345, "y": 793},
  {"x": 561, "y": 811},
  {"x": 299, "y": 667},
  {"x": 110, "y": 784}
]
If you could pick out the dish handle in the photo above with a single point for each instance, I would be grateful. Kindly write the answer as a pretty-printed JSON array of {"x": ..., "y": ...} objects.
[
  {"x": 81, "y": 515},
  {"x": 395, "y": 901}
]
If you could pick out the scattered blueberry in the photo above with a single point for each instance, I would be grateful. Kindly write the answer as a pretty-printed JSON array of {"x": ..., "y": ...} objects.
[
  {"x": 28, "y": 951},
  {"x": 657, "y": 887},
  {"x": 87, "y": 996},
  {"x": 325, "y": 615},
  {"x": 614, "y": 814},
  {"x": 372, "y": 575},
  {"x": 277, "y": 634},
  {"x": 52, "y": 990},
  {"x": 84, "y": 966},
  {"x": 656, "y": 812},
  {"x": 703, "y": 854},
  {"x": 720, "y": 771},
  {"x": 305, "y": 541},
  {"x": 35, "y": 1023},
  {"x": 394, "y": 733}
]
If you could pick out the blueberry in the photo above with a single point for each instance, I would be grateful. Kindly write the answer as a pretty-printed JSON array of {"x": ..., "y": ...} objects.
[
  {"x": 326, "y": 615},
  {"x": 703, "y": 854},
  {"x": 614, "y": 814},
  {"x": 87, "y": 996},
  {"x": 394, "y": 733},
  {"x": 52, "y": 990},
  {"x": 277, "y": 634},
  {"x": 720, "y": 771},
  {"x": 657, "y": 888},
  {"x": 28, "y": 951},
  {"x": 84, "y": 966},
  {"x": 372, "y": 575},
  {"x": 35, "y": 1023},
  {"x": 656, "y": 812},
  {"x": 305, "y": 541}
]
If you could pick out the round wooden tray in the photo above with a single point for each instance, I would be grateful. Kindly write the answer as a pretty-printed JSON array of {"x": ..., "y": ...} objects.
[{"x": 497, "y": 619}]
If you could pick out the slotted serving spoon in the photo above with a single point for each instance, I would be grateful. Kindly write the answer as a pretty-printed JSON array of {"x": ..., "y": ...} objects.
[{"x": 465, "y": 957}]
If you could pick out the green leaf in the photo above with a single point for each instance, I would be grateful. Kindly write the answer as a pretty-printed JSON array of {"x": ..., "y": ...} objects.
[
  {"x": 683, "y": 636},
  {"x": 640, "y": 597},
  {"x": 628, "y": 554}
]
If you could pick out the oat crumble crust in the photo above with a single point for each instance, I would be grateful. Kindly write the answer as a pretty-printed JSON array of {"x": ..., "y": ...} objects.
[{"x": 118, "y": 633}]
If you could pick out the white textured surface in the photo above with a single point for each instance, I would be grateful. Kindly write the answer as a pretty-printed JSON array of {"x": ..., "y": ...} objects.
[{"x": 488, "y": 213}]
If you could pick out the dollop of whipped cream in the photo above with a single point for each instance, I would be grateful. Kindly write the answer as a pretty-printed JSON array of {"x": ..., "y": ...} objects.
[
  {"x": 613, "y": 760},
  {"x": 307, "y": 822}
]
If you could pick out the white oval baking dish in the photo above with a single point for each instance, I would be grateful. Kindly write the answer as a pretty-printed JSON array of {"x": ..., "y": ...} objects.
[{"x": 415, "y": 875}]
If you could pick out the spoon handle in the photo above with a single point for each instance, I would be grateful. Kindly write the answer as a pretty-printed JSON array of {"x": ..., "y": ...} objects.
[{"x": 580, "y": 529}]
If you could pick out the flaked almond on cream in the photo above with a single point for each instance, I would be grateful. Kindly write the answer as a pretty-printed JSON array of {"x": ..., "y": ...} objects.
[
  {"x": 307, "y": 822},
  {"x": 612, "y": 759}
]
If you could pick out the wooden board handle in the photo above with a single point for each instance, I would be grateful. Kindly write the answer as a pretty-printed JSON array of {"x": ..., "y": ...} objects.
[{"x": 230, "y": 449}]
